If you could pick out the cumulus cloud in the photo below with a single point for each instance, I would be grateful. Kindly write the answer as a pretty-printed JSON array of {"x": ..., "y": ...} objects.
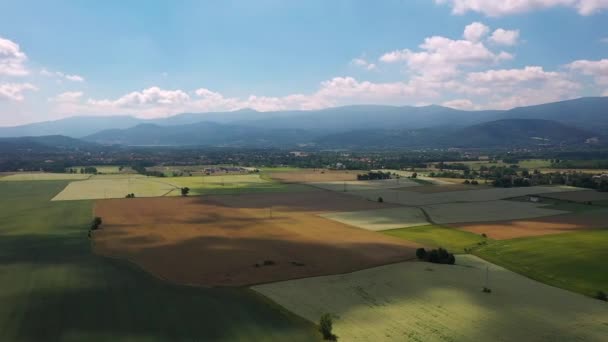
[
  {"x": 12, "y": 59},
  {"x": 442, "y": 57},
  {"x": 363, "y": 63},
  {"x": 495, "y": 8},
  {"x": 14, "y": 91},
  {"x": 598, "y": 69},
  {"x": 511, "y": 76},
  {"x": 61, "y": 75},
  {"x": 474, "y": 32},
  {"x": 505, "y": 37}
]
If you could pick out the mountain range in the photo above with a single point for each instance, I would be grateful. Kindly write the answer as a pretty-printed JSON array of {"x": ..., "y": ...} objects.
[{"x": 580, "y": 121}]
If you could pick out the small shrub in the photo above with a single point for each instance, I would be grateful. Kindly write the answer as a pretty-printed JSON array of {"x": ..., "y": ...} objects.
[
  {"x": 487, "y": 290},
  {"x": 326, "y": 327},
  {"x": 601, "y": 295},
  {"x": 474, "y": 182},
  {"x": 466, "y": 181},
  {"x": 421, "y": 253},
  {"x": 484, "y": 235},
  {"x": 380, "y": 199},
  {"x": 96, "y": 223},
  {"x": 185, "y": 191}
]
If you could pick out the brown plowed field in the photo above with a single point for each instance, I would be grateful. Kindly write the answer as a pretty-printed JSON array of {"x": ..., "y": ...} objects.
[
  {"x": 503, "y": 230},
  {"x": 314, "y": 176},
  {"x": 201, "y": 242}
]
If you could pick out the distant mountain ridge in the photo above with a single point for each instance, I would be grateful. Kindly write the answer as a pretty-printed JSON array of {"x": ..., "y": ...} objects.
[{"x": 590, "y": 114}]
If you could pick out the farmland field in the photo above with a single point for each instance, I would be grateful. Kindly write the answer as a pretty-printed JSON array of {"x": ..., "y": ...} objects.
[
  {"x": 229, "y": 184},
  {"x": 347, "y": 186},
  {"x": 114, "y": 186},
  {"x": 40, "y": 176},
  {"x": 571, "y": 261},
  {"x": 311, "y": 175},
  {"x": 564, "y": 223},
  {"x": 381, "y": 219},
  {"x": 486, "y": 211},
  {"x": 426, "y": 302},
  {"x": 437, "y": 236},
  {"x": 55, "y": 289},
  {"x": 579, "y": 196},
  {"x": 196, "y": 241},
  {"x": 406, "y": 197}
]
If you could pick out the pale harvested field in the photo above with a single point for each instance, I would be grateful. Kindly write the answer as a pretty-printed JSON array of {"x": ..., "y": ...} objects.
[
  {"x": 579, "y": 196},
  {"x": 365, "y": 185},
  {"x": 198, "y": 242},
  {"x": 43, "y": 176},
  {"x": 431, "y": 189},
  {"x": 316, "y": 201},
  {"x": 114, "y": 186},
  {"x": 565, "y": 223},
  {"x": 381, "y": 219},
  {"x": 486, "y": 211},
  {"x": 405, "y": 197},
  {"x": 416, "y": 301},
  {"x": 314, "y": 175}
]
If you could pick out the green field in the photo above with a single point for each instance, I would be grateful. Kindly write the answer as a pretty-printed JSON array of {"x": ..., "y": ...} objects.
[
  {"x": 54, "y": 289},
  {"x": 229, "y": 184},
  {"x": 454, "y": 240},
  {"x": 42, "y": 176},
  {"x": 573, "y": 261},
  {"x": 524, "y": 164},
  {"x": 419, "y": 301}
]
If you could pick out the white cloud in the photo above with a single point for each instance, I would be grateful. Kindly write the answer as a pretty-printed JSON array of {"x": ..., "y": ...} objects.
[
  {"x": 505, "y": 37},
  {"x": 14, "y": 91},
  {"x": 496, "y": 8},
  {"x": 598, "y": 69},
  {"x": 511, "y": 76},
  {"x": 443, "y": 57},
  {"x": 363, "y": 63},
  {"x": 464, "y": 104},
  {"x": 68, "y": 96},
  {"x": 474, "y": 32},
  {"x": 12, "y": 59},
  {"x": 61, "y": 75}
]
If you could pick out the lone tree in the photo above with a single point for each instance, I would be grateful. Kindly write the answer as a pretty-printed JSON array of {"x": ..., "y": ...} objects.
[
  {"x": 326, "y": 326},
  {"x": 185, "y": 191},
  {"x": 96, "y": 223}
]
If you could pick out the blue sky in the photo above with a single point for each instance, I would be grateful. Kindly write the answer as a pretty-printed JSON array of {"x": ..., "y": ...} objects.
[{"x": 159, "y": 58}]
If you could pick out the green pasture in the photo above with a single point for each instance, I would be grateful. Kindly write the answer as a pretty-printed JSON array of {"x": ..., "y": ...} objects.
[
  {"x": 454, "y": 240},
  {"x": 54, "y": 289},
  {"x": 574, "y": 261}
]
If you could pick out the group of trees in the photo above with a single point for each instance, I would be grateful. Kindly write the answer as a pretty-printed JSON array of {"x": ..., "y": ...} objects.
[
  {"x": 84, "y": 170},
  {"x": 436, "y": 256},
  {"x": 374, "y": 175}
]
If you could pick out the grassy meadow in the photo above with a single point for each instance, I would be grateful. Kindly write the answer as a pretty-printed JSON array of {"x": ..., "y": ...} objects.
[
  {"x": 572, "y": 261},
  {"x": 435, "y": 236},
  {"x": 55, "y": 289}
]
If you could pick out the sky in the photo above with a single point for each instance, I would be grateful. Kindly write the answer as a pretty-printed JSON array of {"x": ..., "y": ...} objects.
[{"x": 154, "y": 59}]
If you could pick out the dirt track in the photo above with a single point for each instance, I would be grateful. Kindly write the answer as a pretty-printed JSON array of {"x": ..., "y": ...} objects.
[
  {"x": 504, "y": 230},
  {"x": 192, "y": 241}
]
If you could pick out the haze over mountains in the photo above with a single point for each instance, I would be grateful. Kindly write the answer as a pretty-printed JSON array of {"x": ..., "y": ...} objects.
[{"x": 574, "y": 122}]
